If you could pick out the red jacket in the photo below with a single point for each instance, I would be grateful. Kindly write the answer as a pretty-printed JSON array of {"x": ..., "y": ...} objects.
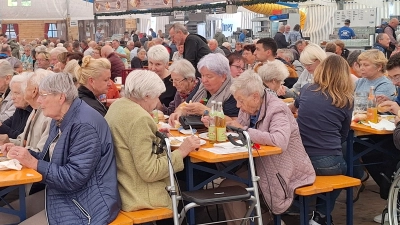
[{"x": 117, "y": 66}]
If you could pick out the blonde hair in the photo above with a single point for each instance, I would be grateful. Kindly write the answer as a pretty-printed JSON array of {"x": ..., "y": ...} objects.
[
  {"x": 333, "y": 78},
  {"x": 91, "y": 68},
  {"x": 311, "y": 53},
  {"x": 374, "y": 56}
]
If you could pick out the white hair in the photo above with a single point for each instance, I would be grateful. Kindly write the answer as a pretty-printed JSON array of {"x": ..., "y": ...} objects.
[
  {"x": 5, "y": 68},
  {"x": 248, "y": 83},
  {"x": 60, "y": 45},
  {"x": 36, "y": 77},
  {"x": 287, "y": 53},
  {"x": 142, "y": 83},
  {"x": 158, "y": 53},
  {"x": 273, "y": 70},
  {"x": 184, "y": 68},
  {"x": 311, "y": 53},
  {"x": 58, "y": 50},
  {"x": 21, "y": 79},
  {"x": 40, "y": 48},
  {"x": 60, "y": 83},
  {"x": 227, "y": 45},
  {"x": 216, "y": 63}
]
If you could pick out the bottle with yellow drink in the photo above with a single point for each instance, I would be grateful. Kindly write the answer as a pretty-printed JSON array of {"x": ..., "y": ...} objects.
[
  {"x": 372, "y": 111},
  {"x": 220, "y": 123},
  {"x": 212, "y": 130}
]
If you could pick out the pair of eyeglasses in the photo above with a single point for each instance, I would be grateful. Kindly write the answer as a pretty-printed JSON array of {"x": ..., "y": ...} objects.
[
  {"x": 239, "y": 67},
  {"x": 395, "y": 78},
  {"x": 43, "y": 95},
  {"x": 175, "y": 81}
]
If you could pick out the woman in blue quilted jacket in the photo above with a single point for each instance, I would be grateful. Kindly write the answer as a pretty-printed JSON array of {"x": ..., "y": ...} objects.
[{"x": 77, "y": 162}]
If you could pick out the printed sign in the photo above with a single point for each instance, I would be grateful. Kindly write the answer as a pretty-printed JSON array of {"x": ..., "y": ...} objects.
[
  {"x": 148, "y": 4},
  {"x": 105, "y": 6}
]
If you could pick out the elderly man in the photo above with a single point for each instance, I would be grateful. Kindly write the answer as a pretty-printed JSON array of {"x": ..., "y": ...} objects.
[
  {"x": 213, "y": 45},
  {"x": 37, "y": 125},
  {"x": 84, "y": 46},
  {"x": 227, "y": 48},
  {"x": 7, "y": 107},
  {"x": 5, "y": 51},
  {"x": 287, "y": 32},
  {"x": 68, "y": 46},
  {"x": 280, "y": 38},
  {"x": 129, "y": 47},
  {"x": 195, "y": 46},
  {"x": 391, "y": 31},
  {"x": 15, "y": 125},
  {"x": 89, "y": 51},
  {"x": 119, "y": 51},
  {"x": 54, "y": 60},
  {"x": 117, "y": 66},
  {"x": 382, "y": 43}
]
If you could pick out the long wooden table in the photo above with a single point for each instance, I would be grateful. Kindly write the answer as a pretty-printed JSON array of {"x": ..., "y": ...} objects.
[{"x": 13, "y": 179}]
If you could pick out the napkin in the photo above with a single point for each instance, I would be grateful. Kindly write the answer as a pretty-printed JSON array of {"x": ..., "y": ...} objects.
[
  {"x": 11, "y": 164},
  {"x": 226, "y": 148},
  {"x": 384, "y": 124},
  {"x": 165, "y": 125}
]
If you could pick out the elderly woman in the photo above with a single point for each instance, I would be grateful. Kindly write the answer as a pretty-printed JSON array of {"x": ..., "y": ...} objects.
[
  {"x": 273, "y": 74},
  {"x": 183, "y": 77},
  {"x": 142, "y": 174},
  {"x": 248, "y": 55},
  {"x": 178, "y": 54},
  {"x": 42, "y": 60},
  {"x": 216, "y": 80},
  {"x": 7, "y": 107},
  {"x": 236, "y": 63},
  {"x": 269, "y": 121},
  {"x": 78, "y": 165},
  {"x": 94, "y": 79},
  {"x": 238, "y": 48},
  {"x": 26, "y": 58},
  {"x": 139, "y": 61},
  {"x": 158, "y": 57},
  {"x": 310, "y": 57},
  {"x": 332, "y": 94}
]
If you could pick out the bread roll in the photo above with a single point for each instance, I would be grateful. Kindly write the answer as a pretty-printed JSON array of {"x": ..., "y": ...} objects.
[{"x": 177, "y": 124}]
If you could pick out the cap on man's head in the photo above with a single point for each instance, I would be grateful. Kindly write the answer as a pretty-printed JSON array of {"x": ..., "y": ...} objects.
[{"x": 347, "y": 21}]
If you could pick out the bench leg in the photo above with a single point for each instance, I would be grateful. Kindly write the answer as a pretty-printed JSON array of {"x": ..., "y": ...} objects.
[
  {"x": 349, "y": 206},
  {"x": 328, "y": 208},
  {"x": 277, "y": 219},
  {"x": 303, "y": 201}
]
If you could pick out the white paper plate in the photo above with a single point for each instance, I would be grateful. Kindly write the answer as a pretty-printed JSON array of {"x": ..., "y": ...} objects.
[
  {"x": 205, "y": 135},
  {"x": 177, "y": 141},
  {"x": 187, "y": 132},
  {"x": 166, "y": 125}
]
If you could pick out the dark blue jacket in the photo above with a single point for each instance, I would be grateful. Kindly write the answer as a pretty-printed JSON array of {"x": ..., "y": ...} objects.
[
  {"x": 380, "y": 48},
  {"x": 81, "y": 178},
  {"x": 15, "y": 125}
]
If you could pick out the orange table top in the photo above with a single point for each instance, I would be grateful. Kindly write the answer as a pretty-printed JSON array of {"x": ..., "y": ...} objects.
[
  {"x": 361, "y": 129},
  {"x": 205, "y": 156},
  {"x": 15, "y": 177}
]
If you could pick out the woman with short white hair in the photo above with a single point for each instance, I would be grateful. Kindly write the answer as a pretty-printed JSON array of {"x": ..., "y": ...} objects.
[
  {"x": 142, "y": 174},
  {"x": 273, "y": 74},
  {"x": 183, "y": 77},
  {"x": 7, "y": 107},
  {"x": 78, "y": 158},
  {"x": 215, "y": 83},
  {"x": 158, "y": 58}
]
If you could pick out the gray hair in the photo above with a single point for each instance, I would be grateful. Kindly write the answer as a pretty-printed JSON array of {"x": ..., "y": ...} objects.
[
  {"x": 273, "y": 70},
  {"x": 21, "y": 79},
  {"x": 311, "y": 53},
  {"x": 227, "y": 45},
  {"x": 353, "y": 57},
  {"x": 287, "y": 53},
  {"x": 178, "y": 26},
  {"x": 142, "y": 83},
  {"x": 40, "y": 48},
  {"x": 379, "y": 37},
  {"x": 36, "y": 77},
  {"x": 248, "y": 83},
  {"x": 60, "y": 83},
  {"x": 216, "y": 63},
  {"x": 5, "y": 48},
  {"x": 183, "y": 67},
  {"x": 58, "y": 50},
  {"x": 6, "y": 68},
  {"x": 158, "y": 53},
  {"x": 28, "y": 47}
]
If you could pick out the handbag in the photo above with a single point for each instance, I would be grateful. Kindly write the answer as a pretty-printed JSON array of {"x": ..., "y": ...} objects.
[{"x": 192, "y": 120}]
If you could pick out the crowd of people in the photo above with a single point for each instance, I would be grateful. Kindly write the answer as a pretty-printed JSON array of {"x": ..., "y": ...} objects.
[{"x": 62, "y": 115}]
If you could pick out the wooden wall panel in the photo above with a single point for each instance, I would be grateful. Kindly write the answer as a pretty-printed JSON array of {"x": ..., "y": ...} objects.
[{"x": 32, "y": 29}]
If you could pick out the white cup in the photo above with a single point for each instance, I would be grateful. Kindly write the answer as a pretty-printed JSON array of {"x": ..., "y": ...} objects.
[{"x": 118, "y": 80}]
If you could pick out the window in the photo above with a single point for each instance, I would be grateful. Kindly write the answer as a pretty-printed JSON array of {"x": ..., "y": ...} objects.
[
  {"x": 12, "y": 2},
  {"x": 10, "y": 32},
  {"x": 52, "y": 33},
  {"x": 26, "y": 2}
]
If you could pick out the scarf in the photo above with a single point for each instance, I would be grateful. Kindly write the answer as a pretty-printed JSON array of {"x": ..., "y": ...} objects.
[{"x": 221, "y": 95}]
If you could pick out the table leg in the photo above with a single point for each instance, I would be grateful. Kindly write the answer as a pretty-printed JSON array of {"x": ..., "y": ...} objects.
[
  {"x": 190, "y": 187},
  {"x": 22, "y": 203},
  {"x": 349, "y": 153},
  {"x": 349, "y": 206}
]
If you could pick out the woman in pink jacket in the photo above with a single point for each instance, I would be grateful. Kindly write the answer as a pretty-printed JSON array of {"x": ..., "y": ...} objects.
[{"x": 269, "y": 121}]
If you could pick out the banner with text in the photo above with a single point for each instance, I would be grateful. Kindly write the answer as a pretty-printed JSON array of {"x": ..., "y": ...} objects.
[
  {"x": 108, "y": 6},
  {"x": 148, "y": 4}
]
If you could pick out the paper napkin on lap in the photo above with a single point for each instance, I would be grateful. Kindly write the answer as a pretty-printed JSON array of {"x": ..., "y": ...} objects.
[
  {"x": 11, "y": 164},
  {"x": 384, "y": 124}
]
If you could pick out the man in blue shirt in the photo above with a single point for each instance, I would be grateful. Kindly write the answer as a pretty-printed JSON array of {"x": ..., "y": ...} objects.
[
  {"x": 242, "y": 36},
  {"x": 346, "y": 32},
  {"x": 153, "y": 34}
]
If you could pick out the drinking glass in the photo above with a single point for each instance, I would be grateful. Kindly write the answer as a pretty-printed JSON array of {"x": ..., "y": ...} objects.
[{"x": 360, "y": 103}]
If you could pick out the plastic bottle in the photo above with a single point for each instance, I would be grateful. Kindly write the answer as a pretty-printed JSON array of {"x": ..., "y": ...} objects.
[
  {"x": 220, "y": 123},
  {"x": 372, "y": 110},
  {"x": 212, "y": 132}
]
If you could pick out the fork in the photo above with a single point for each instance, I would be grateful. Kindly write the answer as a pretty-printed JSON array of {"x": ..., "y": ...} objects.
[{"x": 191, "y": 129}]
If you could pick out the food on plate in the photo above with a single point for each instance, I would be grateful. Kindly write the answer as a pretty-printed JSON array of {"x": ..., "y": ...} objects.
[
  {"x": 175, "y": 142},
  {"x": 160, "y": 116},
  {"x": 288, "y": 100},
  {"x": 177, "y": 124},
  {"x": 383, "y": 108},
  {"x": 360, "y": 117}
]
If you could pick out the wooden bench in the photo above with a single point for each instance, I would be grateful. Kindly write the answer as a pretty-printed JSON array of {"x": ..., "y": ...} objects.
[
  {"x": 122, "y": 220},
  {"x": 148, "y": 215}
]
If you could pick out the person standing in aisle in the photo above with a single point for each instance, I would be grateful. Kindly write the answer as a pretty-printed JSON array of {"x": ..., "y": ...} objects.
[{"x": 346, "y": 32}]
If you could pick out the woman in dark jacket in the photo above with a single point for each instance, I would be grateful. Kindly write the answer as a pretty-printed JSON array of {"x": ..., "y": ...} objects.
[
  {"x": 94, "y": 80},
  {"x": 78, "y": 164},
  {"x": 139, "y": 61}
]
